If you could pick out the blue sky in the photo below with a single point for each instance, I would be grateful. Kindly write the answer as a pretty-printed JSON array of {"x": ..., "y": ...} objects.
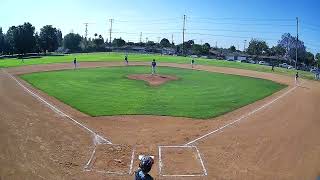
[{"x": 225, "y": 22}]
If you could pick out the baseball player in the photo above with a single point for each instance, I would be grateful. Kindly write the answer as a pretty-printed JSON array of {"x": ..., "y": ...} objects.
[
  {"x": 126, "y": 59},
  {"x": 297, "y": 78},
  {"x": 192, "y": 62},
  {"x": 145, "y": 166},
  {"x": 75, "y": 63},
  {"x": 153, "y": 66}
]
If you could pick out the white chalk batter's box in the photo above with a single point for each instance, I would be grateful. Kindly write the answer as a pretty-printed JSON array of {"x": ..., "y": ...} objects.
[{"x": 180, "y": 161}]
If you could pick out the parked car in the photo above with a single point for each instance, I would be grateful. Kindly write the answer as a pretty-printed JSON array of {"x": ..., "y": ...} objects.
[
  {"x": 283, "y": 65},
  {"x": 251, "y": 61},
  {"x": 263, "y": 63},
  {"x": 313, "y": 70},
  {"x": 290, "y": 67}
]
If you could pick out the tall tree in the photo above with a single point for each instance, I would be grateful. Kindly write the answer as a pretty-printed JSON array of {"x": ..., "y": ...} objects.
[
  {"x": 99, "y": 43},
  {"x": 232, "y": 48},
  {"x": 37, "y": 47},
  {"x": 206, "y": 48},
  {"x": 257, "y": 47},
  {"x": 309, "y": 59},
  {"x": 2, "y": 43},
  {"x": 49, "y": 38},
  {"x": 72, "y": 41},
  {"x": 277, "y": 51},
  {"x": 165, "y": 43},
  {"x": 290, "y": 43},
  {"x": 21, "y": 38},
  {"x": 118, "y": 42}
]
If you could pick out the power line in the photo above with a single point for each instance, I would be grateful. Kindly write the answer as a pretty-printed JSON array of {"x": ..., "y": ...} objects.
[{"x": 244, "y": 19}]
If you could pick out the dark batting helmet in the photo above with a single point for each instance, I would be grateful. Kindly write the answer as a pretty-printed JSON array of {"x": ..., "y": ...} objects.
[{"x": 146, "y": 163}]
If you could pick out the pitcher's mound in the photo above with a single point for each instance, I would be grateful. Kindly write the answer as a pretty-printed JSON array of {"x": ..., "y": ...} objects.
[{"x": 153, "y": 80}]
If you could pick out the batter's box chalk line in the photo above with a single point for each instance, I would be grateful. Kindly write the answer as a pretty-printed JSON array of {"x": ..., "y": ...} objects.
[
  {"x": 89, "y": 164},
  {"x": 199, "y": 158}
]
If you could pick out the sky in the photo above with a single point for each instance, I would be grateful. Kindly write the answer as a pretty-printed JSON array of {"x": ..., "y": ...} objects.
[{"x": 218, "y": 22}]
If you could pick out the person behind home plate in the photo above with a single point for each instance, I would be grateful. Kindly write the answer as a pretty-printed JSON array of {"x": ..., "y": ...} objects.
[
  {"x": 153, "y": 66},
  {"x": 145, "y": 166}
]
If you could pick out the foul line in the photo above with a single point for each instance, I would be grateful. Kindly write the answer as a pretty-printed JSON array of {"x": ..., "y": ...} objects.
[{"x": 242, "y": 117}]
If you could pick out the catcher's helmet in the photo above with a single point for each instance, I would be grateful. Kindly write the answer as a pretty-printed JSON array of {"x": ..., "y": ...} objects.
[{"x": 146, "y": 163}]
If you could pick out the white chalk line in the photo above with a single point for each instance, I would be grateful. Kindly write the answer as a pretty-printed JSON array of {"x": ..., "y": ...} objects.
[
  {"x": 88, "y": 166},
  {"x": 181, "y": 175},
  {"x": 241, "y": 118},
  {"x": 131, "y": 162}
]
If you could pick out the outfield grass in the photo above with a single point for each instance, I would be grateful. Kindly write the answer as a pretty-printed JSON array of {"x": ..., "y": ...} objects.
[
  {"x": 5, "y": 63},
  {"x": 108, "y": 91}
]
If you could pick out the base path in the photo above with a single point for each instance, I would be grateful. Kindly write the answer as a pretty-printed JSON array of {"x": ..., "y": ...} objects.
[{"x": 280, "y": 141}]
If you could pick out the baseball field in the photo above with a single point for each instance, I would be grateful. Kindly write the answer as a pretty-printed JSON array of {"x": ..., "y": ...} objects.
[{"x": 218, "y": 120}]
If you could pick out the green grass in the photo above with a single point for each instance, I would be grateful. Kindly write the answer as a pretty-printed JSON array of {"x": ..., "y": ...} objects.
[
  {"x": 5, "y": 63},
  {"x": 108, "y": 91}
]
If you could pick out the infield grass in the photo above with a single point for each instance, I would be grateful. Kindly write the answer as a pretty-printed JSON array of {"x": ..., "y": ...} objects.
[{"x": 108, "y": 91}]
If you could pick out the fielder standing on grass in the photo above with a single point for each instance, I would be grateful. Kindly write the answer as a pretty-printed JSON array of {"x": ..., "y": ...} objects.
[
  {"x": 153, "y": 67},
  {"x": 126, "y": 59},
  {"x": 75, "y": 63},
  {"x": 192, "y": 62}
]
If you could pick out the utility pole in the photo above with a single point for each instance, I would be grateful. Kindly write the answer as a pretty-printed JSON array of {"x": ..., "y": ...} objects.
[
  {"x": 110, "y": 30},
  {"x": 146, "y": 39},
  {"x": 86, "y": 35},
  {"x": 201, "y": 41},
  {"x": 297, "y": 43},
  {"x": 244, "y": 45},
  {"x": 183, "y": 31},
  {"x": 216, "y": 44},
  {"x": 158, "y": 39},
  {"x": 171, "y": 38},
  {"x": 86, "y": 30},
  {"x": 140, "y": 37}
]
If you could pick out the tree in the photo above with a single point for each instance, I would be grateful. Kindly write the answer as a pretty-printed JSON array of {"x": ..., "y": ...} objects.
[
  {"x": 99, "y": 43},
  {"x": 37, "y": 47},
  {"x": 257, "y": 47},
  {"x": 277, "y": 51},
  {"x": 118, "y": 42},
  {"x": 2, "y": 43},
  {"x": 49, "y": 38},
  {"x": 197, "y": 49},
  {"x": 290, "y": 43},
  {"x": 72, "y": 41},
  {"x": 59, "y": 38},
  {"x": 206, "y": 48},
  {"x": 309, "y": 60},
  {"x": 318, "y": 59},
  {"x": 150, "y": 44},
  {"x": 21, "y": 38},
  {"x": 165, "y": 43},
  {"x": 232, "y": 48}
]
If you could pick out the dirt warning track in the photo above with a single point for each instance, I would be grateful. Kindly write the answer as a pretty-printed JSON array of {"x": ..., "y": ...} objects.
[{"x": 279, "y": 141}]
